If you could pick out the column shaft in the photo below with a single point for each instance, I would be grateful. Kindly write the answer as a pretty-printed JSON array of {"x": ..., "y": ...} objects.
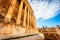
[
  {"x": 35, "y": 23},
  {"x": 32, "y": 20},
  {"x": 25, "y": 12},
  {"x": 20, "y": 13},
  {"x": 10, "y": 10},
  {"x": 28, "y": 19}
]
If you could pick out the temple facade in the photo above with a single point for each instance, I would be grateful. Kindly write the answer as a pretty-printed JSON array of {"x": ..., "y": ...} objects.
[{"x": 16, "y": 18}]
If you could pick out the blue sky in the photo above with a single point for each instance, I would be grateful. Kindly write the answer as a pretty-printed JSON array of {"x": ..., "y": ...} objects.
[{"x": 47, "y": 12}]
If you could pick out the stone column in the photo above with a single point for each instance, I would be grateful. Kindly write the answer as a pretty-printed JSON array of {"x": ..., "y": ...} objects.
[
  {"x": 25, "y": 13},
  {"x": 32, "y": 21},
  {"x": 20, "y": 13},
  {"x": 35, "y": 23},
  {"x": 10, "y": 10},
  {"x": 28, "y": 19}
]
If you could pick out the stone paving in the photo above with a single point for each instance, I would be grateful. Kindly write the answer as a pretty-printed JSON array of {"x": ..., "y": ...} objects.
[
  {"x": 31, "y": 37},
  {"x": 36, "y": 37}
]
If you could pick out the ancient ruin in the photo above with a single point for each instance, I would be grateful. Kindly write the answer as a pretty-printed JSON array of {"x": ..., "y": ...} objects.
[{"x": 16, "y": 18}]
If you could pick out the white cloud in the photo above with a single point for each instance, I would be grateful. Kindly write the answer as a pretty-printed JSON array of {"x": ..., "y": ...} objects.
[{"x": 44, "y": 9}]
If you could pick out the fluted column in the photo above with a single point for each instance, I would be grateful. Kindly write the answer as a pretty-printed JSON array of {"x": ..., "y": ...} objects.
[
  {"x": 20, "y": 13},
  {"x": 25, "y": 13},
  {"x": 10, "y": 10}
]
